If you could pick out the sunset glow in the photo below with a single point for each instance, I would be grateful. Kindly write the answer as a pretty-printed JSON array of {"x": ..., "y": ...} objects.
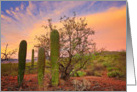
[{"x": 22, "y": 20}]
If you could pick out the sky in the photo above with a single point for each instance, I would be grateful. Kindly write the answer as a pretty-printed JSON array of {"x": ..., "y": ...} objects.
[{"x": 23, "y": 20}]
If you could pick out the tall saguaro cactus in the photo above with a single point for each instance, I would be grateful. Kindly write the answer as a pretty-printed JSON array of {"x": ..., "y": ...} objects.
[
  {"x": 41, "y": 66},
  {"x": 32, "y": 58},
  {"x": 54, "y": 43},
  {"x": 22, "y": 61}
]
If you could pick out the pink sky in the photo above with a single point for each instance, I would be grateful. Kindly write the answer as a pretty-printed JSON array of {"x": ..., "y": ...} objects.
[{"x": 109, "y": 26}]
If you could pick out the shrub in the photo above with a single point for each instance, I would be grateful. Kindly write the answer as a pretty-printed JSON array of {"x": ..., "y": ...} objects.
[
  {"x": 79, "y": 74},
  {"x": 98, "y": 73},
  {"x": 112, "y": 68},
  {"x": 98, "y": 67},
  {"x": 115, "y": 73},
  {"x": 106, "y": 64},
  {"x": 9, "y": 69}
]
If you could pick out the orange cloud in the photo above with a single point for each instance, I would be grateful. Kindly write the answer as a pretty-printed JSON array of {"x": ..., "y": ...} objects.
[{"x": 110, "y": 28}]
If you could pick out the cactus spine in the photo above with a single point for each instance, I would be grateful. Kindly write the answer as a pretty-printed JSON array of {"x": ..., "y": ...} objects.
[
  {"x": 54, "y": 38},
  {"x": 22, "y": 61},
  {"x": 41, "y": 66},
  {"x": 32, "y": 58}
]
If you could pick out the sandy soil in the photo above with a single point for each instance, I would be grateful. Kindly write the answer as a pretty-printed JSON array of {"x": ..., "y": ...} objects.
[{"x": 9, "y": 83}]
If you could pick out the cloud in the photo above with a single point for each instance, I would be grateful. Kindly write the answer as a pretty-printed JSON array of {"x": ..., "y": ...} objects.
[
  {"x": 26, "y": 23},
  {"x": 6, "y": 18},
  {"x": 17, "y": 8},
  {"x": 110, "y": 28},
  {"x": 7, "y": 11},
  {"x": 22, "y": 6}
]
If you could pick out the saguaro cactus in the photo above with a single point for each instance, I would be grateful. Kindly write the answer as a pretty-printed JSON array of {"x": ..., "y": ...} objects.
[
  {"x": 41, "y": 66},
  {"x": 32, "y": 58},
  {"x": 22, "y": 61},
  {"x": 54, "y": 43}
]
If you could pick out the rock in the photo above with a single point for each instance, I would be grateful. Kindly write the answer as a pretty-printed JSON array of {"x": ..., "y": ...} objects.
[
  {"x": 62, "y": 82},
  {"x": 83, "y": 85}
]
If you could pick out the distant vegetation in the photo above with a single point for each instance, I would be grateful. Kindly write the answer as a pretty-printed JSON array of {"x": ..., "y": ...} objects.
[
  {"x": 113, "y": 63},
  {"x": 6, "y": 55}
]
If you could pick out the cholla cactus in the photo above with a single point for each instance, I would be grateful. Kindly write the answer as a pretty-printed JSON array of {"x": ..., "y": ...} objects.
[
  {"x": 22, "y": 61},
  {"x": 54, "y": 46}
]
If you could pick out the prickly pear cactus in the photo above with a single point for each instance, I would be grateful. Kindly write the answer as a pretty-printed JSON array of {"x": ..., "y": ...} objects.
[
  {"x": 32, "y": 58},
  {"x": 54, "y": 43},
  {"x": 22, "y": 61},
  {"x": 41, "y": 66}
]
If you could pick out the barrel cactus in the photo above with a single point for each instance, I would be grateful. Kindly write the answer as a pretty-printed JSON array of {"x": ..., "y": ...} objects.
[
  {"x": 32, "y": 58},
  {"x": 54, "y": 43},
  {"x": 41, "y": 66},
  {"x": 22, "y": 61}
]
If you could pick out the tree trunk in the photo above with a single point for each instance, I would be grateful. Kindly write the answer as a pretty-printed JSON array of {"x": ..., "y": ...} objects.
[{"x": 65, "y": 76}]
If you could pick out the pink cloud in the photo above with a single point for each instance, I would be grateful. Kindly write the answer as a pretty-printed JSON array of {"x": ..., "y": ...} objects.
[{"x": 110, "y": 28}]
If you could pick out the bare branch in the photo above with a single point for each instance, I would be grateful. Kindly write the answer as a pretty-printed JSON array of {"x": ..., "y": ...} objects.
[{"x": 7, "y": 55}]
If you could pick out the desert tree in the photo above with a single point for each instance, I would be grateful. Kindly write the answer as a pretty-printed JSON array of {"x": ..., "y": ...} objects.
[
  {"x": 44, "y": 39},
  {"x": 8, "y": 54},
  {"x": 75, "y": 44}
]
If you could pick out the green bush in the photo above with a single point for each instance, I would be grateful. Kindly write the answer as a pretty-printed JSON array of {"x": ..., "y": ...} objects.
[
  {"x": 106, "y": 64},
  {"x": 112, "y": 68},
  {"x": 98, "y": 67},
  {"x": 79, "y": 74},
  {"x": 98, "y": 73},
  {"x": 9, "y": 69},
  {"x": 115, "y": 74}
]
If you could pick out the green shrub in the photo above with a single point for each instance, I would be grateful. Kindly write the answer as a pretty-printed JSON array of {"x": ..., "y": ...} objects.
[
  {"x": 89, "y": 70},
  {"x": 98, "y": 67},
  {"x": 95, "y": 69},
  {"x": 100, "y": 60},
  {"x": 79, "y": 74},
  {"x": 9, "y": 69},
  {"x": 112, "y": 68},
  {"x": 98, "y": 73},
  {"x": 106, "y": 64},
  {"x": 115, "y": 74}
]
